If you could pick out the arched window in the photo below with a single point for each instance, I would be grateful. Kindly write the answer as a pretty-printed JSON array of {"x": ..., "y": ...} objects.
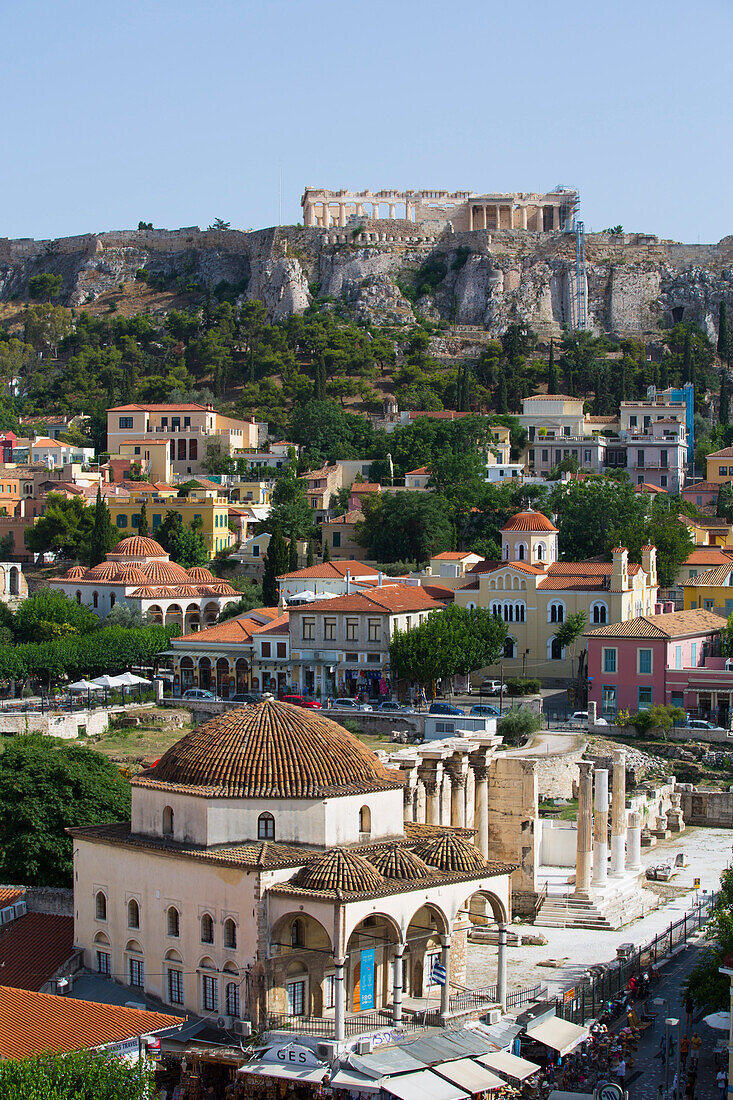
[
  {"x": 520, "y": 551},
  {"x": 167, "y": 821},
  {"x": 556, "y": 613},
  {"x": 230, "y": 933},
  {"x": 599, "y": 613},
  {"x": 508, "y": 613},
  {"x": 78, "y": 597},
  {"x": 133, "y": 914},
  {"x": 207, "y": 929},
  {"x": 100, "y": 905},
  {"x": 496, "y": 609},
  {"x": 509, "y": 647},
  {"x": 232, "y": 999},
  {"x": 520, "y": 612},
  {"x": 112, "y": 599},
  {"x": 265, "y": 827},
  {"x": 173, "y": 921},
  {"x": 540, "y": 551},
  {"x": 297, "y": 934},
  {"x": 365, "y": 820},
  {"x": 505, "y": 551},
  {"x": 95, "y": 599},
  {"x": 555, "y": 650}
]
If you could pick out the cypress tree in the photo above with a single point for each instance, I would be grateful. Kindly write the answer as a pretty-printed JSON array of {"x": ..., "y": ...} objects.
[
  {"x": 143, "y": 528},
  {"x": 552, "y": 380},
  {"x": 103, "y": 536},
  {"x": 326, "y": 550},
  {"x": 293, "y": 554},
  {"x": 502, "y": 397},
  {"x": 275, "y": 564},
  {"x": 722, "y": 331},
  {"x": 724, "y": 411},
  {"x": 310, "y": 559}
]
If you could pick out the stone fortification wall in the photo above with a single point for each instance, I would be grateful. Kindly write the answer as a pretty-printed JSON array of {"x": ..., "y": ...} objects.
[{"x": 707, "y": 807}]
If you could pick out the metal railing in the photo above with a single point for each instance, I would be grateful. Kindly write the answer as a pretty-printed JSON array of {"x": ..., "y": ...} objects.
[
  {"x": 591, "y": 997},
  {"x": 325, "y": 1026}
]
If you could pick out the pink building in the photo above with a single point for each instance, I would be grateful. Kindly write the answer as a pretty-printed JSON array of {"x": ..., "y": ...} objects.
[
  {"x": 660, "y": 658},
  {"x": 701, "y": 493}
]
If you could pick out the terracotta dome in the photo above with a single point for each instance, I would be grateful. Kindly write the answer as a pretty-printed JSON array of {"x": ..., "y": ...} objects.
[
  {"x": 75, "y": 573},
  {"x": 221, "y": 588},
  {"x": 138, "y": 546},
  {"x": 105, "y": 571},
  {"x": 528, "y": 521},
  {"x": 339, "y": 869},
  {"x": 451, "y": 853},
  {"x": 201, "y": 575},
  {"x": 271, "y": 750},
  {"x": 164, "y": 572},
  {"x": 395, "y": 861},
  {"x": 130, "y": 574}
]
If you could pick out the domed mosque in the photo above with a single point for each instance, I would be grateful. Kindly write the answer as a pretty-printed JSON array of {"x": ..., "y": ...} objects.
[
  {"x": 268, "y": 874},
  {"x": 140, "y": 573}
]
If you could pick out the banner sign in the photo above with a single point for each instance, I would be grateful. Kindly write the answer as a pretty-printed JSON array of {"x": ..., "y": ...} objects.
[{"x": 366, "y": 980}]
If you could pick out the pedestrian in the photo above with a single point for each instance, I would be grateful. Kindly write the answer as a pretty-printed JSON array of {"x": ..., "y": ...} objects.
[
  {"x": 722, "y": 1082},
  {"x": 695, "y": 1044},
  {"x": 690, "y": 1090},
  {"x": 621, "y": 1071},
  {"x": 689, "y": 1009},
  {"x": 684, "y": 1051}
]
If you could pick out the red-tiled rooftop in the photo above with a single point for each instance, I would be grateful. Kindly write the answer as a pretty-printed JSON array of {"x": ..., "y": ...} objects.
[
  {"x": 33, "y": 1022},
  {"x": 529, "y": 521},
  {"x": 331, "y": 570},
  {"x": 10, "y": 894},
  {"x": 34, "y": 947}
]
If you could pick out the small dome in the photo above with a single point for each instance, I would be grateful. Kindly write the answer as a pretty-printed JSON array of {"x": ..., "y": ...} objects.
[
  {"x": 138, "y": 546},
  {"x": 75, "y": 573},
  {"x": 201, "y": 575},
  {"x": 339, "y": 869},
  {"x": 164, "y": 572},
  {"x": 130, "y": 574},
  {"x": 394, "y": 861},
  {"x": 529, "y": 521},
  {"x": 221, "y": 588},
  {"x": 271, "y": 750},
  {"x": 451, "y": 853},
  {"x": 105, "y": 571}
]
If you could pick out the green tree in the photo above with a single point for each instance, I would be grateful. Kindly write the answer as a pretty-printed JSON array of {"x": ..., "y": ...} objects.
[
  {"x": 103, "y": 536},
  {"x": 46, "y": 788},
  {"x": 568, "y": 632},
  {"x": 405, "y": 526},
  {"x": 326, "y": 550},
  {"x": 552, "y": 382},
  {"x": 517, "y": 724},
  {"x": 65, "y": 528},
  {"x": 709, "y": 988},
  {"x": 49, "y": 614},
  {"x": 292, "y": 555},
  {"x": 218, "y": 223},
  {"x": 310, "y": 560},
  {"x": 590, "y": 511},
  {"x": 251, "y": 597},
  {"x": 83, "y": 1075},
  {"x": 46, "y": 326},
  {"x": 275, "y": 565},
  {"x": 455, "y": 641},
  {"x": 42, "y": 288},
  {"x": 143, "y": 526}
]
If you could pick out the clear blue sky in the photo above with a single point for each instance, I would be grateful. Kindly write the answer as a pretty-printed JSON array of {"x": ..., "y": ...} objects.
[{"x": 178, "y": 113}]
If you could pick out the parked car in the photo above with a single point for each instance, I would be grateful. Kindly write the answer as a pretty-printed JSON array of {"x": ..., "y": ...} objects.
[
  {"x": 247, "y": 697},
  {"x": 348, "y": 703},
  {"x": 301, "y": 701},
  {"x": 483, "y": 710},
  {"x": 492, "y": 687},
  {"x": 578, "y": 718},
  {"x": 389, "y": 706},
  {"x": 198, "y": 693},
  {"x": 444, "y": 708},
  {"x": 701, "y": 724}
]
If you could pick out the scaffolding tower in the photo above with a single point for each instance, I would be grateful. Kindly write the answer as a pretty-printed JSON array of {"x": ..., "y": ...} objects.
[{"x": 581, "y": 282}]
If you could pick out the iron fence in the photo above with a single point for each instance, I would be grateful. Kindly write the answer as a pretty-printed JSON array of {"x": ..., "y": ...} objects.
[
  {"x": 592, "y": 996},
  {"x": 325, "y": 1027}
]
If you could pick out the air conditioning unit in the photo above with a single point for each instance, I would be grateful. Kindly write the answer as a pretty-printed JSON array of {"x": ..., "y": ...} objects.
[
  {"x": 327, "y": 1051},
  {"x": 63, "y": 987},
  {"x": 7, "y": 914},
  {"x": 20, "y": 909},
  {"x": 493, "y": 1016},
  {"x": 224, "y": 1023},
  {"x": 363, "y": 1046},
  {"x": 135, "y": 1004},
  {"x": 242, "y": 1027}
]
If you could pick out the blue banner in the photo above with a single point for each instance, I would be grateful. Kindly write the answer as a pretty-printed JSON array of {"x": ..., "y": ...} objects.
[{"x": 366, "y": 980}]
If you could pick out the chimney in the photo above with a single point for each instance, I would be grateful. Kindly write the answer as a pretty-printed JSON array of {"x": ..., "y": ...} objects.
[
  {"x": 649, "y": 564},
  {"x": 379, "y": 582},
  {"x": 620, "y": 570},
  {"x": 658, "y": 608},
  {"x": 348, "y": 582}
]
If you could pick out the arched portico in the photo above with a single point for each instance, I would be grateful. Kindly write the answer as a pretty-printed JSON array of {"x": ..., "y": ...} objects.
[
  {"x": 302, "y": 967},
  {"x": 174, "y": 616},
  {"x": 371, "y": 950}
]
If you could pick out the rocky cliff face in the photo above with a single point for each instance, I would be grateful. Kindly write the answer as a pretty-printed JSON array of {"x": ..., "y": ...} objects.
[{"x": 633, "y": 284}]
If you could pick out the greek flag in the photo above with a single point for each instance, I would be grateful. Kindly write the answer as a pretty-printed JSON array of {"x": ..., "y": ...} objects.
[{"x": 438, "y": 974}]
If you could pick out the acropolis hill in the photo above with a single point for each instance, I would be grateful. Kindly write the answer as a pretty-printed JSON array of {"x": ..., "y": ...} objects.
[{"x": 473, "y": 260}]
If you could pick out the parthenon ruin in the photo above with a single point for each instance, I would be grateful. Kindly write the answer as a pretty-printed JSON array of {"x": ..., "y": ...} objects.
[{"x": 465, "y": 210}]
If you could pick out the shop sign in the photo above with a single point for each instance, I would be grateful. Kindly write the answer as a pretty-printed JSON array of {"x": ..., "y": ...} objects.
[
  {"x": 569, "y": 995},
  {"x": 366, "y": 980},
  {"x": 128, "y": 1048},
  {"x": 292, "y": 1054}
]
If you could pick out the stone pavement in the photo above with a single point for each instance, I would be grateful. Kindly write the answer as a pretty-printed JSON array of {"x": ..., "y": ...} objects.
[{"x": 647, "y": 1074}]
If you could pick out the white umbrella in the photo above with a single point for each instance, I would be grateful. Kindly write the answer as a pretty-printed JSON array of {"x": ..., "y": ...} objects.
[
  {"x": 84, "y": 685},
  {"x": 720, "y": 1021},
  {"x": 129, "y": 679},
  {"x": 109, "y": 681}
]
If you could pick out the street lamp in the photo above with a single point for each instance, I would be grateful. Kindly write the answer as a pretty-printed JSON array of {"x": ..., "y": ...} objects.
[{"x": 524, "y": 661}]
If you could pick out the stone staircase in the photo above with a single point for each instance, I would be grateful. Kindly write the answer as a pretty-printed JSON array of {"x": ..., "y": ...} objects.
[{"x": 607, "y": 911}]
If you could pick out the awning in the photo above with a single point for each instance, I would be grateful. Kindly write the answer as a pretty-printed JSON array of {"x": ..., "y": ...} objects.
[
  {"x": 559, "y": 1035},
  {"x": 469, "y": 1075},
  {"x": 418, "y": 1086},
  {"x": 509, "y": 1064},
  {"x": 291, "y": 1073},
  {"x": 357, "y": 1082}
]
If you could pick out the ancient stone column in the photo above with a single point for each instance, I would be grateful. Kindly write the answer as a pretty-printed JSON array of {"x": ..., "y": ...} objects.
[
  {"x": 501, "y": 967},
  {"x": 585, "y": 822},
  {"x": 634, "y": 841},
  {"x": 432, "y": 790},
  {"x": 326, "y": 215},
  {"x": 342, "y": 213},
  {"x": 618, "y": 813},
  {"x": 339, "y": 1000},
  {"x": 481, "y": 808},
  {"x": 484, "y": 218},
  {"x": 397, "y": 985},
  {"x": 498, "y": 217},
  {"x": 524, "y": 217},
  {"x": 359, "y": 210},
  {"x": 392, "y": 212},
  {"x": 458, "y": 796},
  {"x": 600, "y": 829}
]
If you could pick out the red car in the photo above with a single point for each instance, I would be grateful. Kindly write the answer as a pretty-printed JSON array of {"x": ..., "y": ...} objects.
[{"x": 301, "y": 701}]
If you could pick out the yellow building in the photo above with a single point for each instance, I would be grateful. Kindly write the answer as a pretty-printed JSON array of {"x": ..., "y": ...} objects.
[
  {"x": 720, "y": 466},
  {"x": 251, "y": 492},
  {"x": 710, "y": 590},
  {"x": 534, "y": 593},
  {"x": 212, "y": 512}
]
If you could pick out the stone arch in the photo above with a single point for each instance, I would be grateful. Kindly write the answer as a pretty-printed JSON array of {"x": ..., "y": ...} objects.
[
  {"x": 14, "y": 580},
  {"x": 241, "y": 671},
  {"x": 555, "y": 651},
  {"x": 186, "y": 668},
  {"x": 210, "y": 614},
  {"x": 168, "y": 820},
  {"x": 222, "y": 677},
  {"x": 497, "y": 906},
  {"x": 155, "y": 611},
  {"x": 314, "y": 932},
  {"x": 205, "y": 673},
  {"x": 192, "y": 619},
  {"x": 133, "y": 947},
  {"x": 556, "y": 611},
  {"x": 599, "y": 612},
  {"x": 207, "y": 963},
  {"x": 510, "y": 648},
  {"x": 101, "y": 939},
  {"x": 174, "y": 615},
  {"x": 173, "y": 956}
]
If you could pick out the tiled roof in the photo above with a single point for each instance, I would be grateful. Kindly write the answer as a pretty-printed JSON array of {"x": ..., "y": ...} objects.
[
  {"x": 74, "y": 573},
  {"x": 188, "y": 407},
  {"x": 675, "y": 624},
  {"x": 201, "y": 575},
  {"x": 138, "y": 546},
  {"x": 453, "y": 555},
  {"x": 366, "y": 487},
  {"x": 270, "y": 750},
  {"x": 727, "y": 452},
  {"x": 31, "y": 1023},
  {"x": 585, "y": 576},
  {"x": 33, "y": 947},
  {"x": 353, "y": 516},
  {"x": 718, "y": 576},
  {"x": 552, "y": 397},
  {"x": 281, "y": 625},
  {"x": 439, "y": 592},
  {"x": 601, "y": 419},
  {"x": 391, "y": 598},
  {"x": 339, "y": 869},
  {"x": 233, "y": 631},
  {"x": 529, "y": 521},
  {"x": 419, "y": 470},
  {"x": 164, "y": 572},
  {"x": 396, "y": 861},
  {"x": 330, "y": 570},
  {"x": 647, "y": 487},
  {"x": 43, "y": 441},
  {"x": 10, "y": 894},
  {"x": 709, "y": 555},
  {"x": 701, "y": 487},
  {"x": 451, "y": 853},
  {"x": 442, "y": 414}
]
